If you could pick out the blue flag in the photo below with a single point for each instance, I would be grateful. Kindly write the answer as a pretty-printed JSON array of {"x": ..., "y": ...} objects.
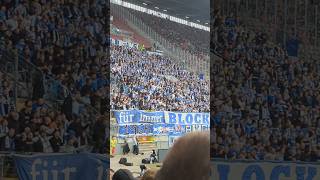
[{"x": 82, "y": 166}]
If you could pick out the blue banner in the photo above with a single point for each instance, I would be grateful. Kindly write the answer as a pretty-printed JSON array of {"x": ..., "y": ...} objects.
[
  {"x": 137, "y": 116},
  {"x": 126, "y": 117},
  {"x": 151, "y": 117},
  {"x": 160, "y": 129},
  {"x": 187, "y": 118},
  {"x": 132, "y": 129},
  {"x": 132, "y": 122},
  {"x": 263, "y": 170},
  {"x": 81, "y": 166}
]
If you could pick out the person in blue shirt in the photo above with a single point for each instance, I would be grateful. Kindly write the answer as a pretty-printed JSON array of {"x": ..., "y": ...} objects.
[{"x": 40, "y": 104}]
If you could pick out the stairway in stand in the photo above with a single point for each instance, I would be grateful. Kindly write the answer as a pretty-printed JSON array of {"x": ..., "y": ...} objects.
[{"x": 147, "y": 148}]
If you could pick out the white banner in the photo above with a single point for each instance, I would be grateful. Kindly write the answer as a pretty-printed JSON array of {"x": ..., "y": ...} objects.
[
  {"x": 243, "y": 170},
  {"x": 186, "y": 118},
  {"x": 119, "y": 42}
]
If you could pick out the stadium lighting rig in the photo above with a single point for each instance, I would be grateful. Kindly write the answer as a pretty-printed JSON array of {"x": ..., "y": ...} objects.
[{"x": 145, "y": 4}]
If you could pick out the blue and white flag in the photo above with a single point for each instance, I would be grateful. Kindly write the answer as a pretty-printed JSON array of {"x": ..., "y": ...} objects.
[{"x": 82, "y": 166}]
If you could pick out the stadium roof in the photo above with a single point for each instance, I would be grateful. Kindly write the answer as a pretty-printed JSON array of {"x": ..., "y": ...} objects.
[{"x": 197, "y": 11}]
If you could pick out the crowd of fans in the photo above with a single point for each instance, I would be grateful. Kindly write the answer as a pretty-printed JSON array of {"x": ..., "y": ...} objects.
[
  {"x": 194, "y": 40},
  {"x": 140, "y": 80},
  {"x": 6, "y": 95},
  {"x": 146, "y": 80},
  {"x": 39, "y": 128},
  {"x": 265, "y": 104},
  {"x": 67, "y": 40}
]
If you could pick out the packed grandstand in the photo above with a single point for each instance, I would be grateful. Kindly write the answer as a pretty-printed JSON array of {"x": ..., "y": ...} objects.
[
  {"x": 140, "y": 82},
  {"x": 66, "y": 43},
  {"x": 265, "y": 102},
  {"x": 150, "y": 81},
  {"x": 156, "y": 97}
]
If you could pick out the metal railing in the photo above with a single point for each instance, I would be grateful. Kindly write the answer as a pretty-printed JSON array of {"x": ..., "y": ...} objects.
[{"x": 183, "y": 58}]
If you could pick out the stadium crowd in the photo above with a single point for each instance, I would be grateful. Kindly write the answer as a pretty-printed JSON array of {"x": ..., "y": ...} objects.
[
  {"x": 194, "y": 40},
  {"x": 146, "y": 80},
  {"x": 6, "y": 94},
  {"x": 265, "y": 103},
  {"x": 68, "y": 41},
  {"x": 140, "y": 80}
]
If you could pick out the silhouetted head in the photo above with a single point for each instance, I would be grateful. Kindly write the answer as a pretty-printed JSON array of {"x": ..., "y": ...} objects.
[{"x": 188, "y": 159}]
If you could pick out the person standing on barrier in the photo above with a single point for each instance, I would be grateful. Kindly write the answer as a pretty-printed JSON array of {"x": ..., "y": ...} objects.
[
  {"x": 125, "y": 147},
  {"x": 135, "y": 146},
  {"x": 113, "y": 144},
  {"x": 56, "y": 142},
  {"x": 10, "y": 141}
]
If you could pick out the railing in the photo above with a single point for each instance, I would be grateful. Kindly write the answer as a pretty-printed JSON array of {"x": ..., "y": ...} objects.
[{"x": 183, "y": 57}]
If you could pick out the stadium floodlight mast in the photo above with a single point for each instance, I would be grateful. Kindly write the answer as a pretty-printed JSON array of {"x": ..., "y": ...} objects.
[{"x": 145, "y": 4}]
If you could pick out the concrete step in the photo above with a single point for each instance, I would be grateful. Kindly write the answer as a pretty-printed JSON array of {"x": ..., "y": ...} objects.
[{"x": 147, "y": 148}]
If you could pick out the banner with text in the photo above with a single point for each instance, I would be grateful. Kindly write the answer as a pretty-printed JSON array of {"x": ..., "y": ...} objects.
[
  {"x": 186, "y": 118},
  {"x": 224, "y": 170},
  {"x": 81, "y": 166},
  {"x": 132, "y": 122},
  {"x": 160, "y": 129},
  {"x": 137, "y": 116}
]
